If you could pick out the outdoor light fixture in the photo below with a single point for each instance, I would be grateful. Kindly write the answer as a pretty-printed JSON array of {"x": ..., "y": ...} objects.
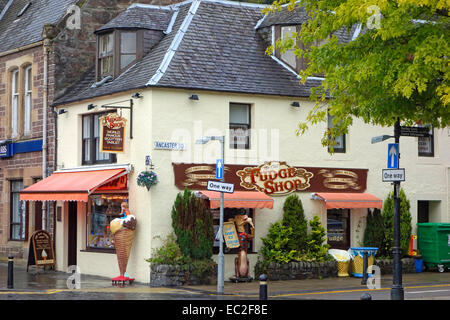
[
  {"x": 91, "y": 106},
  {"x": 137, "y": 95},
  {"x": 295, "y": 104},
  {"x": 194, "y": 97},
  {"x": 62, "y": 111}
]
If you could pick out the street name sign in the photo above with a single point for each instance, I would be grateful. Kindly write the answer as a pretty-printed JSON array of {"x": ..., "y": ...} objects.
[
  {"x": 393, "y": 175},
  {"x": 220, "y": 186},
  {"x": 415, "y": 131},
  {"x": 392, "y": 162}
]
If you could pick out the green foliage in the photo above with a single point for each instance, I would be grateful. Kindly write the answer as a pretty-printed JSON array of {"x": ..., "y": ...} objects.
[
  {"x": 294, "y": 218},
  {"x": 193, "y": 226},
  {"x": 405, "y": 224},
  {"x": 275, "y": 245},
  {"x": 168, "y": 253},
  {"x": 397, "y": 68},
  {"x": 316, "y": 247},
  {"x": 374, "y": 233}
]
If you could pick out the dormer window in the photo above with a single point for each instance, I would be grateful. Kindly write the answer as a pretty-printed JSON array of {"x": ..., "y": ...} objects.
[
  {"x": 117, "y": 51},
  {"x": 288, "y": 56}
]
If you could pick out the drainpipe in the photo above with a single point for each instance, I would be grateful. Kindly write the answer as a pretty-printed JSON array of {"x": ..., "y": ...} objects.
[{"x": 44, "y": 125}]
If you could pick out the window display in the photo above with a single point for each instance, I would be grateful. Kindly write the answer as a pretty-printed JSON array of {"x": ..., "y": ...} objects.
[{"x": 103, "y": 209}]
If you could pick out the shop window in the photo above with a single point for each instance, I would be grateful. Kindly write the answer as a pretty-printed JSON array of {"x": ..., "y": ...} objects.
[
  {"x": 229, "y": 213},
  {"x": 339, "y": 147},
  {"x": 17, "y": 212},
  {"x": 239, "y": 126},
  {"x": 103, "y": 209},
  {"x": 426, "y": 145},
  {"x": 91, "y": 141},
  {"x": 338, "y": 228}
]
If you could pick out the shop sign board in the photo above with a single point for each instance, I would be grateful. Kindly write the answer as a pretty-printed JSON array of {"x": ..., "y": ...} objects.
[
  {"x": 6, "y": 150},
  {"x": 274, "y": 178},
  {"x": 220, "y": 186},
  {"x": 230, "y": 235},
  {"x": 176, "y": 146},
  {"x": 112, "y": 133},
  {"x": 41, "y": 252},
  {"x": 393, "y": 175}
]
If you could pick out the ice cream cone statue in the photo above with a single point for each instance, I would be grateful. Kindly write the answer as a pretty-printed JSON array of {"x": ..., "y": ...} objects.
[
  {"x": 123, "y": 230},
  {"x": 241, "y": 263}
]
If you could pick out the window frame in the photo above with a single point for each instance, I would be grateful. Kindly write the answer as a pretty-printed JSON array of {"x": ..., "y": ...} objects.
[
  {"x": 92, "y": 138},
  {"x": 15, "y": 101},
  {"x": 232, "y": 144},
  {"x": 336, "y": 149},
  {"x": 23, "y": 216},
  {"x": 431, "y": 137},
  {"x": 101, "y": 55},
  {"x": 28, "y": 100}
]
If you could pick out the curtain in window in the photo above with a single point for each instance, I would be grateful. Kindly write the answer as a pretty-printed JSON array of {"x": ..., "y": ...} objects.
[
  {"x": 27, "y": 107},
  {"x": 14, "y": 103}
]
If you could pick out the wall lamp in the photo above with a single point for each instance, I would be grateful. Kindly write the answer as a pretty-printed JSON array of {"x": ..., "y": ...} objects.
[
  {"x": 91, "y": 106},
  {"x": 62, "y": 111},
  {"x": 137, "y": 95},
  {"x": 194, "y": 97},
  {"x": 295, "y": 104}
]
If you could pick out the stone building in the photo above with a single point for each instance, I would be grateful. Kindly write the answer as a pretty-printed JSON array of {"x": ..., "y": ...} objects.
[{"x": 45, "y": 46}]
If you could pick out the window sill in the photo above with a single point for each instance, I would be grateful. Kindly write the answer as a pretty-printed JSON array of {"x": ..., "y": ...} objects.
[{"x": 92, "y": 250}]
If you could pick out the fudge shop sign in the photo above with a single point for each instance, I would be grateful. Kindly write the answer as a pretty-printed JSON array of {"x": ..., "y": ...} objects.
[
  {"x": 112, "y": 133},
  {"x": 273, "y": 178}
]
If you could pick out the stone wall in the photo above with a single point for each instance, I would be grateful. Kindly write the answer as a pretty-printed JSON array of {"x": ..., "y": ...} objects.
[
  {"x": 163, "y": 275},
  {"x": 300, "y": 270},
  {"x": 387, "y": 266}
]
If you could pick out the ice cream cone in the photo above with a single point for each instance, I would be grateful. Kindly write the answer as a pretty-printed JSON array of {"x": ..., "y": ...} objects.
[{"x": 123, "y": 240}]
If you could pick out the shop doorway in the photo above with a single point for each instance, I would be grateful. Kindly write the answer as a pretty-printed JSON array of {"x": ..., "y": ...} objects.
[
  {"x": 38, "y": 215},
  {"x": 338, "y": 228},
  {"x": 423, "y": 211},
  {"x": 72, "y": 234}
]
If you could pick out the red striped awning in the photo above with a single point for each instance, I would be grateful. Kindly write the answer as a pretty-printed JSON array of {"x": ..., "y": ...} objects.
[
  {"x": 349, "y": 200},
  {"x": 70, "y": 186},
  {"x": 239, "y": 199}
]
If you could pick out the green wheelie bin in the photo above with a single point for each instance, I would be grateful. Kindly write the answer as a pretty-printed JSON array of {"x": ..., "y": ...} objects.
[{"x": 433, "y": 242}]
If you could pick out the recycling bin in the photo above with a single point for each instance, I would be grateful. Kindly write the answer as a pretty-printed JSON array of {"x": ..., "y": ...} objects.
[
  {"x": 357, "y": 255},
  {"x": 343, "y": 261},
  {"x": 434, "y": 244}
]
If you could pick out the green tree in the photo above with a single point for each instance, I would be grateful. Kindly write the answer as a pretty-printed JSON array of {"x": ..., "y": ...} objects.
[
  {"x": 193, "y": 226},
  {"x": 275, "y": 244},
  {"x": 317, "y": 250},
  {"x": 374, "y": 233},
  {"x": 405, "y": 224},
  {"x": 397, "y": 67},
  {"x": 294, "y": 217}
]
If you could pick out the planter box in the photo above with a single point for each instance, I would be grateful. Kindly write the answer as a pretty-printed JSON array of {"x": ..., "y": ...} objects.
[{"x": 163, "y": 275}]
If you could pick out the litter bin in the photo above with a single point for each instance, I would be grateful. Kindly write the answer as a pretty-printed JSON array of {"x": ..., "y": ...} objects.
[
  {"x": 434, "y": 244},
  {"x": 418, "y": 261},
  {"x": 343, "y": 261},
  {"x": 357, "y": 255}
]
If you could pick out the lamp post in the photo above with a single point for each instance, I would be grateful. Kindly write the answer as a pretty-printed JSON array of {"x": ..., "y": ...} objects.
[{"x": 221, "y": 258}]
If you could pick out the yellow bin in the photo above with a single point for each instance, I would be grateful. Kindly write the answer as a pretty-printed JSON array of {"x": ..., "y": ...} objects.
[{"x": 343, "y": 261}]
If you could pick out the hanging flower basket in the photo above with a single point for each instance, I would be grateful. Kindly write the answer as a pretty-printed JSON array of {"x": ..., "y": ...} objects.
[{"x": 147, "y": 179}]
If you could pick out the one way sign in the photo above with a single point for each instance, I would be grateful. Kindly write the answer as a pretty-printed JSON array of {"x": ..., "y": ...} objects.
[{"x": 393, "y": 153}]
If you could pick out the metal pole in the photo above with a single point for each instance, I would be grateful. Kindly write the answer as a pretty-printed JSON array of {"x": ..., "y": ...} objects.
[
  {"x": 10, "y": 272},
  {"x": 221, "y": 258},
  {"x": 263, "y": 287},
  {"x": 365, "y": 266},
  {"x": 397, "y": 292}
]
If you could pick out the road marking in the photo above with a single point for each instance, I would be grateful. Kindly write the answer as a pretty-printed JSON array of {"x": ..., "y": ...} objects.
[{"x": 428, "y": 291}]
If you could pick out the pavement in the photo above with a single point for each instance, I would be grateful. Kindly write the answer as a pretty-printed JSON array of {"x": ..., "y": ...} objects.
[{"x": 51, "y": 285}]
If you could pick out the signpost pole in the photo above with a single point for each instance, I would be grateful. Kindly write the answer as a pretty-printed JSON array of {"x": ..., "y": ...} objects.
[
  {"x": 397, "y": 292},
  {"x": 221, "y": 258}
]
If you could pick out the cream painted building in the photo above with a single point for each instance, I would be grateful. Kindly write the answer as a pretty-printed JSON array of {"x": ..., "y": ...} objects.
[{"x": 167, "y": 112}]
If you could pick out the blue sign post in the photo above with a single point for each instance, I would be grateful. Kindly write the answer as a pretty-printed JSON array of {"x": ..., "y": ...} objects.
[
  {"x": 219, "y": 169},
  {"x": 393, "y": 152}
]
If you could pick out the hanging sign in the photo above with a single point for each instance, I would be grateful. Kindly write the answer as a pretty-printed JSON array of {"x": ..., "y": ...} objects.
[
  {"x": 41, "y": 252},
  {"x": 112, "y": 133}
]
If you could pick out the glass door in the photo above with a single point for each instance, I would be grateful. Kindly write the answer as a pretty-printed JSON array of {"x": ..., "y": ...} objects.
[{"x": 338, "y": 226}]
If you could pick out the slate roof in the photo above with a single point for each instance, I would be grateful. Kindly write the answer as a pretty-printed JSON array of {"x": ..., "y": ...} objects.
[
  {"x": 17, "y": 32},
  {"x": 220, "y": 51},
  {"x": 285, "y": 17},
  {"x": 141, "y": 17}
]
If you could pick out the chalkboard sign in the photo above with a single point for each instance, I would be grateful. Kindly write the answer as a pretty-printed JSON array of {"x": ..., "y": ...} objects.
[{"x": 41, "y": 252}]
